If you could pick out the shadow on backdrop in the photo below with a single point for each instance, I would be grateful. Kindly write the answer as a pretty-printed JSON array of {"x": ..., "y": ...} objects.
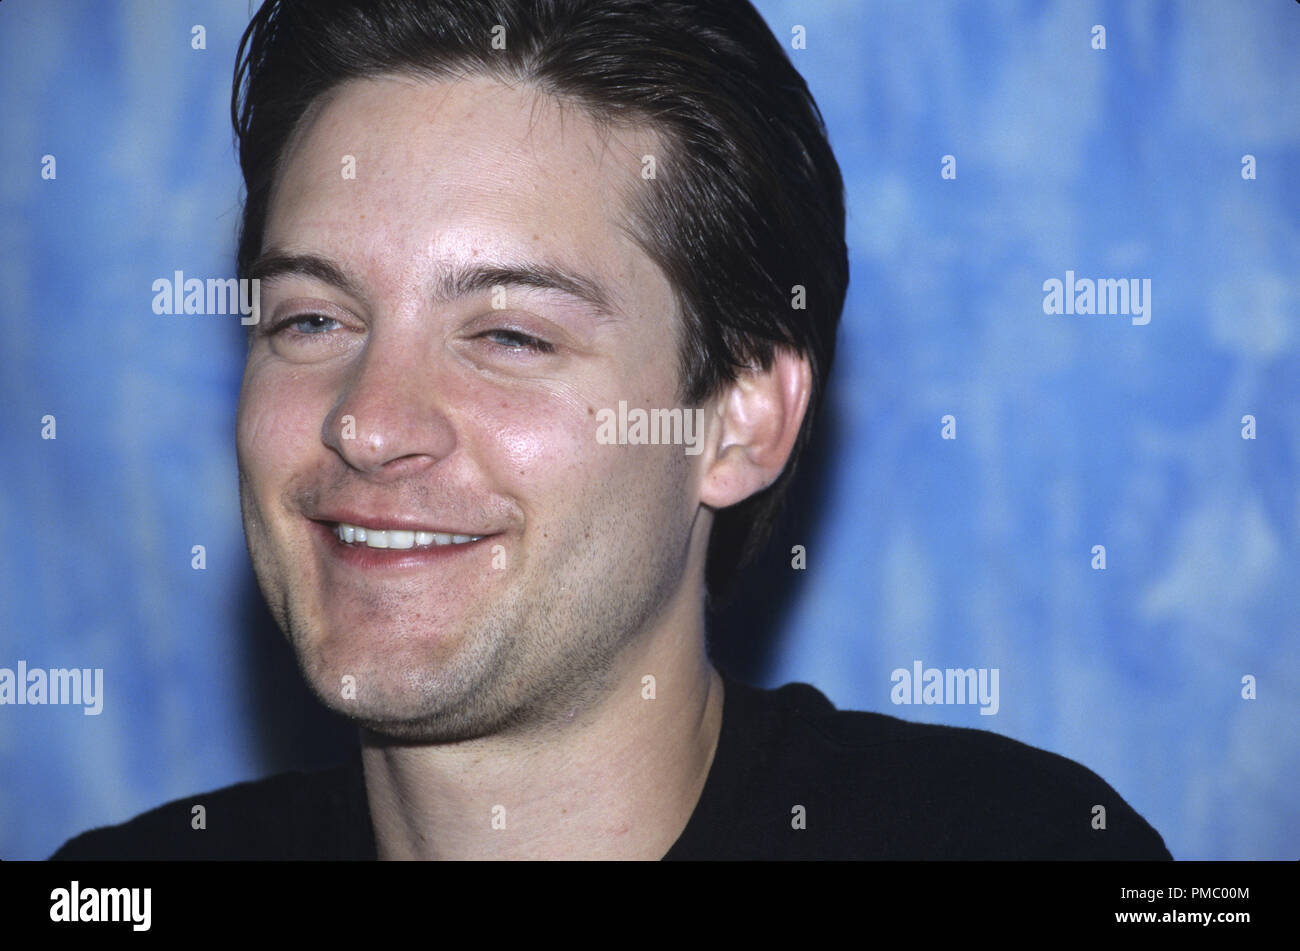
[{"x": 745, "y": 629}]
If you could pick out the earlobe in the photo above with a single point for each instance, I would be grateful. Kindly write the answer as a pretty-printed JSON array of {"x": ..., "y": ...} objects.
[{"x": 758, "y": 420}]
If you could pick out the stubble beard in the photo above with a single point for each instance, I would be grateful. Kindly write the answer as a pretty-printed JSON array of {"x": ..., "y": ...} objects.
[{"x": 547, "y": 650}]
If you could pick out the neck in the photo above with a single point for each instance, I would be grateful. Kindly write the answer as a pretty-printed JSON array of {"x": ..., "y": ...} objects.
[{"x": 618, "y": 780}]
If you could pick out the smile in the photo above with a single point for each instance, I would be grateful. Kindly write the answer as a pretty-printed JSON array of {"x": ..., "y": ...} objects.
[{"x": 395, "y": 538}]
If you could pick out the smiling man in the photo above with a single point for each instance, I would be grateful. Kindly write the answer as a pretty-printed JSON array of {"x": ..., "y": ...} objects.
[
  {"x": 456, "y": 559},
  {"x": 478, "y": 228}
]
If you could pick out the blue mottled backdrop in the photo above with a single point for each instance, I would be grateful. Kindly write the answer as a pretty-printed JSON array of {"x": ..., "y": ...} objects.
[{"x": 978, "y": 551}]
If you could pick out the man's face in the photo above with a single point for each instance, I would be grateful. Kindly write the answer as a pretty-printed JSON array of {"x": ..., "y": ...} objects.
[{"x": 395, "y": 395}]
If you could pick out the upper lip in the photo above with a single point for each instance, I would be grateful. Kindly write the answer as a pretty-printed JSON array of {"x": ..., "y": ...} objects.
[{"x": 387, "y": 522}]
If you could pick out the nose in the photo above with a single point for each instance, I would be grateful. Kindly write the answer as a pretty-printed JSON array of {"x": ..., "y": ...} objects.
[{"x": 390, "y": 420}]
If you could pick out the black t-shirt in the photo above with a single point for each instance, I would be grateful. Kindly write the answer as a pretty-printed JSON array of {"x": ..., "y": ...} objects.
[{"x": 792, "y": 778}]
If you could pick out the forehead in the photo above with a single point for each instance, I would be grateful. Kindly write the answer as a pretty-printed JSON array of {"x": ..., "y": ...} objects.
[{"x": 397, "y": 175}]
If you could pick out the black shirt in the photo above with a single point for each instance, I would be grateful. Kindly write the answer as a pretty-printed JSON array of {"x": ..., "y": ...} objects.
[{"x": 792, "y": 778}]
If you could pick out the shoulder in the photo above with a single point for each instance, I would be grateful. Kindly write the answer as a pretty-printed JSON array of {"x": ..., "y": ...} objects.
[
  {"x": 288, "y": 816},
  {"x": 893, "y": 788}
]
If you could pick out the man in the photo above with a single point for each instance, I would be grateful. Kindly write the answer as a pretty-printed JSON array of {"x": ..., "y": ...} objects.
[{"x": 483, "y": 232}]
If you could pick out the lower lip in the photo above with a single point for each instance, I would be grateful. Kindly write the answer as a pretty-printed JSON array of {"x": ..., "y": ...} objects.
[{"x": 363, "y": 556}]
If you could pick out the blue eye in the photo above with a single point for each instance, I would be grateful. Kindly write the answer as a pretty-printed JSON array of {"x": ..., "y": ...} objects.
[
  {"x": 314, "y": 321},
  {"x": 514, "y": 340}
]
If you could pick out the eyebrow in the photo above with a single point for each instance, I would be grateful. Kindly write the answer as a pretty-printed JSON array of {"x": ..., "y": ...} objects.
[{"x": 456, "y": 282}]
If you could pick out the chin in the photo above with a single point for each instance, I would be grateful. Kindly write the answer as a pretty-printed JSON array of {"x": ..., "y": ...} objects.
[
  {"x": 408, "y": 718},
  {"x": 405, "y": 687}
]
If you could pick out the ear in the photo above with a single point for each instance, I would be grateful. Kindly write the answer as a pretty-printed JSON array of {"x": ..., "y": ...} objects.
[{"x": 756, "y": 422}]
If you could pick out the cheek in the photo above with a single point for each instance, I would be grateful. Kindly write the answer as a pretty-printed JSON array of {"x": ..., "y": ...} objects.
[
  {"x": 274, "y": 425},
  {"x": 541, "y": 449},
  {"x": 544, "y": 449},
  {"x": 537, "y": 444},
  {"x": 550, "y": 462}
]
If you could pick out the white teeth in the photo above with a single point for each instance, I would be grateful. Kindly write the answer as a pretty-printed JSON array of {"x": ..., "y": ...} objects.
[{"x": 397, "y": 538}]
